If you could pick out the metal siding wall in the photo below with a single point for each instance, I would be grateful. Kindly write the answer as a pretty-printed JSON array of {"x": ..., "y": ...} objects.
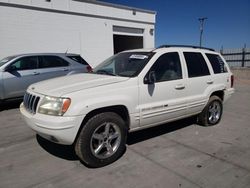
[{"x": 26, "y": 31}]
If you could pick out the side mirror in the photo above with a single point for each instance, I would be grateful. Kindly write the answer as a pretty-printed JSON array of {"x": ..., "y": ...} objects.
[{"x": 150, "y": 78}]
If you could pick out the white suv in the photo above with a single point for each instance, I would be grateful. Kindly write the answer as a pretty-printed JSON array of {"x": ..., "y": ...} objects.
[{"x": 129, "y": 91}]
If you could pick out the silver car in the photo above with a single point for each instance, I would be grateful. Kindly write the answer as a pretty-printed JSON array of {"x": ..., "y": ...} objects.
[{"x": 18, "y": 72}]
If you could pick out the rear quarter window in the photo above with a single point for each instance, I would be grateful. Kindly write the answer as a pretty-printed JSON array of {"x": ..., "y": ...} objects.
[
  {"x": 217, "y": 63},
  {"x": 78, "y": 59}
]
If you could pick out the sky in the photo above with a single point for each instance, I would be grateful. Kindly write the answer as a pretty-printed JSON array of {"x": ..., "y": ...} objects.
[{"x": 228, "y": 22}]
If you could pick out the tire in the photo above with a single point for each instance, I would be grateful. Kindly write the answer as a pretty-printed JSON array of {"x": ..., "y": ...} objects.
[
  {"x": 211, "y": 114},
  {"x": 1, "y": 105},
  {"x": 102, "y": 140}
]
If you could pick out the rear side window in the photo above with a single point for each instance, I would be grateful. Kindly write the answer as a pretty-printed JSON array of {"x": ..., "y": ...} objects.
[
  {"x": 52, "y": 61},
  {"x": 217, "y": 63},
  {"x": 196, "y": 64},
  {"x": 78, "y": 59}
]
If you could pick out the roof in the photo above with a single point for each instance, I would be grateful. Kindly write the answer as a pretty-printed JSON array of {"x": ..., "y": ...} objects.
[
  {"x": 41, "y": 54},
  {"x": 186, "y": 46},
  {"x": 176, "y": 47},
  {"x": 185, "y": 49},
  {"x": 117, "y": 6}
]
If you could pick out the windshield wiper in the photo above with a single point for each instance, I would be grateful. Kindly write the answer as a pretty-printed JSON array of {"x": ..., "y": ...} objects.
[{"x": 105, "y": 72}]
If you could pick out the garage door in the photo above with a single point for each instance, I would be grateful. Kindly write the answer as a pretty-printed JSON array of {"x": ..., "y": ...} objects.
[{"x": 126, "y": 38}]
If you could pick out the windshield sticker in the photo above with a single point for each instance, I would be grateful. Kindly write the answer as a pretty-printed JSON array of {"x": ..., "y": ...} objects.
[{"x": 136, "y": 56}]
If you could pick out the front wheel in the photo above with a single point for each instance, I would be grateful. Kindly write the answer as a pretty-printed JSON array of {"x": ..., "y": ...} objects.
[
  {"x": 102, "y": 140},
  {"x": 211, "y": 114}
]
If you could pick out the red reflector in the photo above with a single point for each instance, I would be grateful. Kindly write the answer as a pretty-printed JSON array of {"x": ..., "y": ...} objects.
[
  {"x": 89, "y": 68},
  {"x": 232, "y": 80}
]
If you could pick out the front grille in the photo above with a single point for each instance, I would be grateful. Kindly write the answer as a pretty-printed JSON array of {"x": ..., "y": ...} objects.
[{"x": 30, "y": 102}]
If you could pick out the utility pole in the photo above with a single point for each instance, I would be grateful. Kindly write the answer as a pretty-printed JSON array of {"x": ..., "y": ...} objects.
[{"x": 202, "y": 20}]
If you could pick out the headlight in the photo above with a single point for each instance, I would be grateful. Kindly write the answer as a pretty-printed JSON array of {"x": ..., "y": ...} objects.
[{"x": 54, "y": 106}]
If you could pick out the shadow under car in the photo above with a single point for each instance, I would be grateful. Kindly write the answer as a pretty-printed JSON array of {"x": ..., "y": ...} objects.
[{"x": 67, "y": 152}]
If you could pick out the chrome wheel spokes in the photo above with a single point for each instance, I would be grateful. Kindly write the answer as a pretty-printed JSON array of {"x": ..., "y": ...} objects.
[
  {"x": 214, "y": 112},
  {"x": 105, "y": 140}
]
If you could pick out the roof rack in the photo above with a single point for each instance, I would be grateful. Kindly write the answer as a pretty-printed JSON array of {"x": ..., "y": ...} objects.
[{"x": 185, "y": 46}]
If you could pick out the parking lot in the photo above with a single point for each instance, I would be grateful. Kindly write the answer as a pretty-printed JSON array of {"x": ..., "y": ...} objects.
[{"x": 180, "y": 154}]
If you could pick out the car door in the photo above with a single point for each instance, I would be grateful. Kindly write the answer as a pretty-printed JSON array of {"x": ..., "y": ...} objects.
[
  {"x": 19, "y": 75},
  {"x": 51, "y": 66},
  {"x": 165, "y": 99},
  {"x": 198, "y": 82}
]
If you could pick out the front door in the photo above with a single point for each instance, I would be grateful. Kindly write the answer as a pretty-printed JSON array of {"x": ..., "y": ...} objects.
[
  {"x": 165, "y": 99},
  {"x": 23, "y": 72}
]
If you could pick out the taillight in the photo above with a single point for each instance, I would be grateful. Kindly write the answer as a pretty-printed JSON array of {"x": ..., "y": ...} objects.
[
  {"x": 232, "y": 80},
  {"x": 89, "y": 68}
]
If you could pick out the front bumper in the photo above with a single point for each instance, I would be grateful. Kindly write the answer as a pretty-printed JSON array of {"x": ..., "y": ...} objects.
[{"x": 59, "y": 129}]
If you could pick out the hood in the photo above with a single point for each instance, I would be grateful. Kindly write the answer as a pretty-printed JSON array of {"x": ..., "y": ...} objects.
[{"x": 68, "y": 84}]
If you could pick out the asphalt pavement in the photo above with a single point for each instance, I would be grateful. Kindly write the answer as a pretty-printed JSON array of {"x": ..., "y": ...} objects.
[{"x": 179, "y": 154}]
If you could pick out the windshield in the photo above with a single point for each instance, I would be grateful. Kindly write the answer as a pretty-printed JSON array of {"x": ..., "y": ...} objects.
[
  {"x": 6, "y": 60},
  {"x": 127, "y": 64}
]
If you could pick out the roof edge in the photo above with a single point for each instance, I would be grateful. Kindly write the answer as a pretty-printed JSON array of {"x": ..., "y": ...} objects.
[{"x": 117, "y": 6}]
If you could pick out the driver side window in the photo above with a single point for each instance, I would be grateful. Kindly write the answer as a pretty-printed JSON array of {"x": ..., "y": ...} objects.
[
  {"x": 167, "y": 67},
  {"x": 26, "y": 63}
]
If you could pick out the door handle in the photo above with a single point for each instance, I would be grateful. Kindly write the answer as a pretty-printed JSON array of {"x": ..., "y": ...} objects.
[
  {"x": 36, "y": 73},
  {"x": 179, "y": 86},
  {"x": 65, "y": 69},
  {"x": 210, "y": 82}
]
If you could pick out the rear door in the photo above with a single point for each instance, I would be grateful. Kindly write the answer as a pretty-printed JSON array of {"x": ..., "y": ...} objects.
[
  {"x": 198, "y": 83},
  {"x": 165, "y": 99},
  {"x": 24, "y": 72},
  {"x": 53, "y": 66}
]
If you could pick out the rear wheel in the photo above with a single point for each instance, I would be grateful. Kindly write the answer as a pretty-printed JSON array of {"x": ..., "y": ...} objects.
[
  {"x": 211, "y": 114},
  {"x": 102, "y": 140},
  {"x": 1, "y": 104}
]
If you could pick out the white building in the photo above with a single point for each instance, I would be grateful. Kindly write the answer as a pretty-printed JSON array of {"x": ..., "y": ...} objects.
[{"x": 94, "y": 29}]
